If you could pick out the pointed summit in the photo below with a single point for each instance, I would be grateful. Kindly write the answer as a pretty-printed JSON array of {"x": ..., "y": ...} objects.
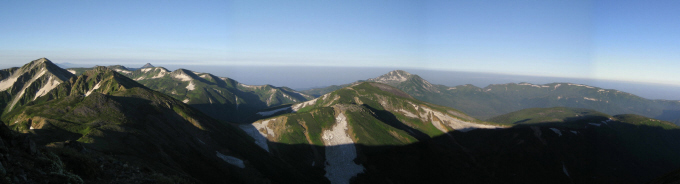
[
  {"x": 148, "y": 65},
  {"x": 31, "y": 81},
  {"x": 392, "y": 77}
]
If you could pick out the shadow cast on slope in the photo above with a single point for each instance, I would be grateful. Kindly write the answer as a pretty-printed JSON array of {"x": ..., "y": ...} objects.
[
  {"x": 391, "y": 120},
  {"x": 611, "y": 153}
]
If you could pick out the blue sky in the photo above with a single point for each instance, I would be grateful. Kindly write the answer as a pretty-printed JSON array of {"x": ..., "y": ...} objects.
[{"x": 617, "y": 40}]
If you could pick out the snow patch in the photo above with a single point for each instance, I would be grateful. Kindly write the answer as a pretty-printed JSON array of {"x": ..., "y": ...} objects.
[
  {"x": 191, "y": 86},
  {"x": 447, "y": 120},
  {"x": 160, "y": 74},
  {"x": 263, "y": 126},
  {"x": 51, "y": 84},
  {"x": 407, "y": 113},
  {"x": 299, "y": 106},
  {"x": 564, "y": 169},
  {"x": 340, "y": 153},
  {"x": 595, "y": 124},
  {"x": 557, "y": 131},
  {"x": 581, "y": 85},
  {"x": 146, "y": 69},
  {"x": 117, "y": 70},
  {"x": 23, "y": 90},
  {"x": 94, "y": 88},
  {"x": 574, "y": 132},
  {"x": 591, "y": 99},
  {"x": 231, "y": 160},
  {"x": 186, "y": 100},
  {"x": 72, "y": 71},
  {"x": 9, "y": 82},
  {"x": 260, "y": 140},
  {"x": 236, "y": 101},
  {"x": 269, "y": 113},
  {"x": 288, "y": 97},
  {"x": 183, "y": 77},
  {"x": 140, "y": 78},
  {"x": 247, "y": 86}
]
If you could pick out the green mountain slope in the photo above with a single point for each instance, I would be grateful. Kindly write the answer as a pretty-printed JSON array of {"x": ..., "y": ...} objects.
[
  {"x": 365, "y": 113},
  {"x": 112, "y": 114},
  {"x": 498, "y": 99},
  {"x": 220, "y": 97},
  {"x": 19, "y": 86}
]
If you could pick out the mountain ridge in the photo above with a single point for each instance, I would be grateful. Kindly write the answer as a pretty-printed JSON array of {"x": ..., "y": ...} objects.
[
  {"x": 497, "y": 99},
  {"x": 110, "y": 113}
]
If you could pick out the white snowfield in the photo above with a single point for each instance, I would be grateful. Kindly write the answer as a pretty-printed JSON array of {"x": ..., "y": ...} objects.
[
  {"x": 407, "y": 113},
  {"x": 94, "y": 88},
  {"x": 299, "y": 106},
  {"x": 263, "y": 128},
  {"x": 146, "y": 69},
  {"x": 186, "y": 100},
  {"x": 183, "y": 77},
  {"x": 340, "y": 153},
  {"x": 51, "y": 84},
  {"x": 448, "y": 121},
  {"x": 260, "y": 140},
  {"x": 191, "y": 86},
  {"x": 9, "y": 82},
  {"x": 72, "y": 71},
  {"x": 23, "y": 90},
  {"x": 118, "y": 70},
  {"x": 161, "y": 73},
  {"x": 591, "y": 99},
  {"x": 269, "y": 113},
  {"x": 231, "y": 160}
]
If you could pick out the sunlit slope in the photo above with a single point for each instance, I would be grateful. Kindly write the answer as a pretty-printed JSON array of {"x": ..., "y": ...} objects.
[
  {"x": 19, "y": 86},
  {"x": 497, "y": 99},
  {"x": 113, "y": 114},
  {"x": 371, "y": 114},
  {"x": 220, "y": 97}
]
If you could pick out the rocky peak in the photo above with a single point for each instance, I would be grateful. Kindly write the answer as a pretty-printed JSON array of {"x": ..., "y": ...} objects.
[
  {"x": 148, "y": 65},
  {"x": 392, "y": 77},
  {"x": 184, "y": 74}
]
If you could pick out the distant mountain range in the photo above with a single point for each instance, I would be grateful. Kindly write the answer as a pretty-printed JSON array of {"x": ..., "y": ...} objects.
[
  {"x": 220, "y": 97},
  {"x": 151, "y": 125},
  {"x": 497, "y": 99}
]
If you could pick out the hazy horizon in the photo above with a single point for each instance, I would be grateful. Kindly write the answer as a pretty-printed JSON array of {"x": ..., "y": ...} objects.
[
  {"x": 602, "y": 40},
  {"x": 307, "y": 77}
]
